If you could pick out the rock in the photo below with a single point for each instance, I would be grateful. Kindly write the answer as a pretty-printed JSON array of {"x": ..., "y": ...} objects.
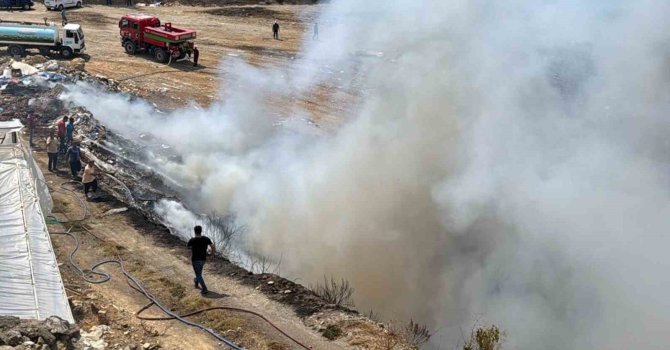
[
  {"x": 94, "y": 339},
  {"x": 35, "y": 60},
  {"x": 271, "y": 283},
  {"x": 77, "y": 64},
  {"x": 7, "y": 322},
  {"x": 11, "y": 337},
  {"x": 58, "y": 326},
  {"x": 115, "y": 211},
  {"x": 51, "y": 66}
]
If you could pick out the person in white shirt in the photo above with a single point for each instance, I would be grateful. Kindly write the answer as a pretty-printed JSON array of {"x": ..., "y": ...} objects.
[
  {"x": 52, "y": 151},
  {"x": 89, "y": 180}
]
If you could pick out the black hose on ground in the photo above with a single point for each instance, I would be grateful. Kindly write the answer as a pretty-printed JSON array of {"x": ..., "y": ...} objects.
[
  {"x": 137, "y": 286},
  {"x": 105, "y": 277}
]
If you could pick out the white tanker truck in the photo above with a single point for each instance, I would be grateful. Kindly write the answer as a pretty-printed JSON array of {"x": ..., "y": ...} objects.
[{"x": 67, "y": 40}]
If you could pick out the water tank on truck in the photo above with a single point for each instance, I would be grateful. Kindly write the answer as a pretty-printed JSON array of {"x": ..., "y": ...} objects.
[{"x": 18, "y": 37}]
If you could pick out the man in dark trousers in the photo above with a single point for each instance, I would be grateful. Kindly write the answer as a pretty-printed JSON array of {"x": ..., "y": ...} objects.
[
  {"x": 275, "y": 30},
  {"x": 129, "y": 3},
  {"x": 196, "y": 55},
  {"x": 63, "y": 16},
  {"x": 198, "y": 245}
]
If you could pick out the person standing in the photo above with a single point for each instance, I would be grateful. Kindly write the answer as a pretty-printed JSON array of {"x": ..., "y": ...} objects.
[
  {"x": 199, "y": 245},
  {"x": 63, "y": 16},
  {"x": 61, "y": 134},
  {"x": 52, "y": 151},
  {"x": 31, "y": 128},
  {"x": 196, "y": 55},
  {"x": 315, "y": 36},
  {"x": 69, "y": 131},
  {"x": 74, "y": 157},
  {"x": 275, "y": 30},
  {"x": 129, "y": 3},
  {"x": 88, "y": 179}
]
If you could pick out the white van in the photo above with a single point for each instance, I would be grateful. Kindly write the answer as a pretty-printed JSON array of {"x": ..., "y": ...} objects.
[{"x": 61, "y": 4}]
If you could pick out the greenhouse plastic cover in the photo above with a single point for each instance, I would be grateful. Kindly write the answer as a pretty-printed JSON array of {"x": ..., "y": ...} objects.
[{"x": 30, "y": 283}]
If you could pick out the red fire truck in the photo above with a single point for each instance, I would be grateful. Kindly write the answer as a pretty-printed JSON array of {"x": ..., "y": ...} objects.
[{"x": 144, "y": 33}]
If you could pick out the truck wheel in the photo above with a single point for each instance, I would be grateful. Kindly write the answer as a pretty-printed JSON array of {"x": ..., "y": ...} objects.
[
  {"x": 16, "y": 51},
  {"x": 130, "y": 47},
  {"x": 60, "y": 8},
  {"x": 66, "y": 52},
  {"x": 45, "y": 51},
  {"x": 79, "y": 4},
  {"x": 161, "y": 55},
  {"x": 26, "y": 7}
]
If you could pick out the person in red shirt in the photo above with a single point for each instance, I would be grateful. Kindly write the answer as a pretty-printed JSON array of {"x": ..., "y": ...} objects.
[{"x": 61, "y": 134}]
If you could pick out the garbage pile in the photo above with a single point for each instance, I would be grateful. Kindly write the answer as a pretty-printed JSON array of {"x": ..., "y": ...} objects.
[{"x": 52, "y": 333}]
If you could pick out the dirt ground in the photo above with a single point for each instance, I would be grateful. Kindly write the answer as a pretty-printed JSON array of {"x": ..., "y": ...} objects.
[{"x": 224, "y": 33}]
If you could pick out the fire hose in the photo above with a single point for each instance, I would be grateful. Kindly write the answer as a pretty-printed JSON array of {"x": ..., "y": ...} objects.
[{"x": 136, "y": 285}]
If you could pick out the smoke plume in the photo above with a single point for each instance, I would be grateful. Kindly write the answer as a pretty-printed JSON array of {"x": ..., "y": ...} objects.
[{"x": 506, "y": 162}]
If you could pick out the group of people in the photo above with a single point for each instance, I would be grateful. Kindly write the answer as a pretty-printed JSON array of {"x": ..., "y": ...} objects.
[
  {"x": 62, "y": 142},
  {"x": 275, "y": 31},
  {"x": 200, "y": 246}
]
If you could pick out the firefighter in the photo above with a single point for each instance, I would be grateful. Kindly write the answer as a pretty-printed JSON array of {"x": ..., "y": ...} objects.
[
  {"x": 275, "y": 30},
  {"x": 196, "y": 54}
]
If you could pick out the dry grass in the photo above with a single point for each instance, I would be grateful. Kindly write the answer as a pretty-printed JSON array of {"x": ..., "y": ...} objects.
[
  {"x": 335, "y": 292},
  {"x": 416, "y": 334},
  {"x": 485, "y": 338}
]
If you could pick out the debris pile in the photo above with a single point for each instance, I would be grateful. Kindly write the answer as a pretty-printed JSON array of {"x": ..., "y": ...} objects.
[{"x": 52, "y": 333}]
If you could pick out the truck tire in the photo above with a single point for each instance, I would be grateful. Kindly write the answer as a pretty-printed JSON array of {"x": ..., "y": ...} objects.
[
  {"x": 161, "y": 55},
  {"x": 66, "y": 52},
  {"x": 15, "y": 50},
  {"x": 44, "y": 51},
  {"x": 78, "y": 4},
  {"x": 130, "y": 47},
  {"x": 60, "y": 7},
  {"x": 26, "y": 7}
]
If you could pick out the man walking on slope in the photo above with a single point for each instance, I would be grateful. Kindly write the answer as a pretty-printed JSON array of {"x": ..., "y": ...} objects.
[{"x": 198, "y": 245}]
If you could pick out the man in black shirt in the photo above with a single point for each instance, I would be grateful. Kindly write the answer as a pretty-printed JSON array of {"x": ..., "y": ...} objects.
[
  {"x": 198, "y": 245},
  {"x": 275, "y": 30}
]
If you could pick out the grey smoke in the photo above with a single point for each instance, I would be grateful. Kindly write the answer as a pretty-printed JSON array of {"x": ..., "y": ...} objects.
[{"x": 507, "y": 163}]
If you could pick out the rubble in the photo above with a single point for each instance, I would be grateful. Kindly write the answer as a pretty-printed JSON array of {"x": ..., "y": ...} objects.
[{"x": 54, "y": 333}]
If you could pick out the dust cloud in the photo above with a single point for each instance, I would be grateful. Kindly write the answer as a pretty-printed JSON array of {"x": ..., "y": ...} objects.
[{"x": 508, "y": 163}]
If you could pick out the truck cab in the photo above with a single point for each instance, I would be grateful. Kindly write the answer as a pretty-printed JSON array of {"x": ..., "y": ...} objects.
[
  {"x": 61, "y": 4},
  {"x": 73, "y": 38},
  {"x": 22, "y": 4}
]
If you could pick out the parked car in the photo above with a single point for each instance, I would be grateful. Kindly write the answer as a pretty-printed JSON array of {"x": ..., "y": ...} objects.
[
  {"x": 61, "y": 4},
  {"x": 22, "y": 4}
]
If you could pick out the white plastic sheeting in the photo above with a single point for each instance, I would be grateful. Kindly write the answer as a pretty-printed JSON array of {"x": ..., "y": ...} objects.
[{"x": 30, "y": 282}]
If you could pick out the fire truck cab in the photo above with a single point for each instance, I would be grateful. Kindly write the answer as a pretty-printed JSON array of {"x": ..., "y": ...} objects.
[{"x": 144, "y": 33}]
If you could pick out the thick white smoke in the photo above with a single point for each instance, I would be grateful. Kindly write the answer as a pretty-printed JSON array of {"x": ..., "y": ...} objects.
[{"x": 507, "y": 162}]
